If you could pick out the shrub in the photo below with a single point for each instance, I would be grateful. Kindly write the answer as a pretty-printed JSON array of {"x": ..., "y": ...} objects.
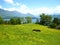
[
  {"x": 52, "y": 25},
  {"x": 28, "y": 19},
  {"x": 45, "y": 19},
  {"x": 15, "y": 21},
  {"x": 58, "y": 27},
  {"x": 1, "y": 20},
  {"x": 56, "y": 21}
]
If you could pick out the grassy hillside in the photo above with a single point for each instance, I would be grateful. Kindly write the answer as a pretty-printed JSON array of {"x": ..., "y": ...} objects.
[{"x": 23, "y": 35}]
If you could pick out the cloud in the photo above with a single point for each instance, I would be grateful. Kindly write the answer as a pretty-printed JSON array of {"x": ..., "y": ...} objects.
[
  {"x": 46, "y": 10},
  {"x": 0, "y": 6},
  {"x": 22, "y": 9},
  {"x": 17, "y": 4},
  {"x": 10, "y": 9},
  {"x": 10, "y": 1},
  {"x": 57, "y": 9},
  {"x": 41, "y": 10},
  {"x": 25, "y": 9}
]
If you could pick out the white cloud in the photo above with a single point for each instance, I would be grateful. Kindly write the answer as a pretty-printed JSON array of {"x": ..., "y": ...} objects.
[
  {"x": 57, "y": 9},
  {"x": 17, "y": 4},
  {"x": 25, "y": 9},
  {"x": 10, "y": 1},
  {"x": 10, "y": 9},
  {"x": 41, "y": 10},
  {"x": 46, "y": 10},
  {"x": 0, "y": 6}
]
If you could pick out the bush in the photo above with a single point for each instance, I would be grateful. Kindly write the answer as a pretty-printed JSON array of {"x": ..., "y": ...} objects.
[
  {"x": 1, "y": 20},
  {"x": 58, "y": 27},
  {"x": 28, "y": 19},
  {"x": 45, "y": 19},
  {"x": 6, "y": 22},
  {"x": 56, "y": 21},
  {"x": 15, "y": 21},
  {"x": 52, "y": 25}
]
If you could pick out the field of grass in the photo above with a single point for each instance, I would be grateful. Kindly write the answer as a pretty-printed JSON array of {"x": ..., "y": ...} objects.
[{"x": 23, "y": 35}]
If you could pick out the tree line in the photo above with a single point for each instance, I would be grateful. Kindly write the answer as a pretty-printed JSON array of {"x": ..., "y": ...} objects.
[
  {"x": 45, "y": 19},
  {"x": 16, "y": 20}
]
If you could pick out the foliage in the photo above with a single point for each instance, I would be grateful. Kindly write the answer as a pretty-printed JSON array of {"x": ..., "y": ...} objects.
[
  {"x": 18, "y": 20},
  {"x": 37, "y": 21},
  {"x": 15, "y": 21},
  {"x": 52, "y": 25},
  {"x": 6, "y": 22},
  {"x": 22, "y": 20},
  {"x": 56, "y": 21},
  {"x": 58, "y": 27},
  {"x": 28, "y": 19},
  {"x": 44, "y": 19},
  {"x": 1, "y": 20}
]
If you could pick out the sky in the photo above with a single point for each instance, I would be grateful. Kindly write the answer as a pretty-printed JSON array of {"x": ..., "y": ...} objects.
[{"x": 34, "y": 7}]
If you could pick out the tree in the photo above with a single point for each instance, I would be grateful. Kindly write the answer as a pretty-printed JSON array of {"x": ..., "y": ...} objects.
[
  {"x": 15, "y": 20},
  {"x": 22, "y": 20},
  {"x": 18, "y": 20},
  {"x": 1, "y": 20},
  {"x": 28, "y": 19},
  {"x": 58, "y": 27},
  {"x": 37, "y": 21},
  {"x": 6, "y": 22},
  {"x": 56, "y": 21},
  {"x": 52, "y": 25},
  {"x": 45, "y": 19}
]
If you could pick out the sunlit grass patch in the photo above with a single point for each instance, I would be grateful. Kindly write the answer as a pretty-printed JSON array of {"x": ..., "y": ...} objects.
[{"x": 23, "y": 35}]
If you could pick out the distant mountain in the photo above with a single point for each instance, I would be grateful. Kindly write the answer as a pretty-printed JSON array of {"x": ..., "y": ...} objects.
[
  {"x": 56, "y": 15},
  {"x": 8, "y": 14}
]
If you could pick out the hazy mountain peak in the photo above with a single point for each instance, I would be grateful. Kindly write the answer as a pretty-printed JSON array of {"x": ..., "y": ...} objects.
[{"x": 8, "y": 14}]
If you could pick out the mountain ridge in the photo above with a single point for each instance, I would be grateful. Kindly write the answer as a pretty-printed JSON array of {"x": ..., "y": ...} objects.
[{"x": 9, "y": 14}]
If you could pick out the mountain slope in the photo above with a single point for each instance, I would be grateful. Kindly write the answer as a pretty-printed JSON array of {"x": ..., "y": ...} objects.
[
  {"x": 56, "y": 15},
  {"x": 9, "y": 14}
]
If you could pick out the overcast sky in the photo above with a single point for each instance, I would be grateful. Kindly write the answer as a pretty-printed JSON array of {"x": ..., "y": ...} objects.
[{"x": 35, "y": 7}]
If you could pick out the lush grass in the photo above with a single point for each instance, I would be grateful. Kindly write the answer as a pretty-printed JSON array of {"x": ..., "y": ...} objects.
[{"x": 23, "y": 35}]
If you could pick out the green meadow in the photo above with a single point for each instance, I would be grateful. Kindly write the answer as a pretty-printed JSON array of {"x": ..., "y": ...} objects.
[{"x": 23, "y": 35}]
